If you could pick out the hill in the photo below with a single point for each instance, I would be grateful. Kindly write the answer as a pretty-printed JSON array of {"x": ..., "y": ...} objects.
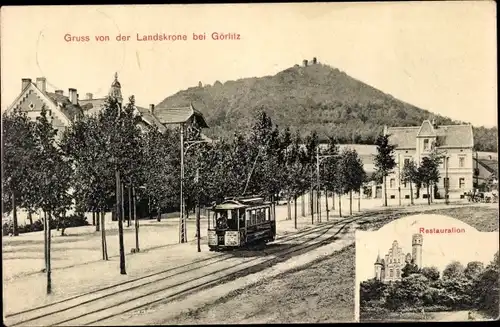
[{"x": 306, "y": 98}]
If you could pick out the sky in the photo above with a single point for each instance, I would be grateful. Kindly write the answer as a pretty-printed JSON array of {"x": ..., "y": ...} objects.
[
  {"x": 438, "y": 250},
  {"x": 437, "y": 56}
]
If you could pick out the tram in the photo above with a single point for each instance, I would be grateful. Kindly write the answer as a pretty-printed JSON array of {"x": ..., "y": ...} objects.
[{"x": 240, "y": 222}]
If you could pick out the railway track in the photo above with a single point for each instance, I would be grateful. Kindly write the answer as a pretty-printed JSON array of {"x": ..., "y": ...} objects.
[{"x": 99, "y": 305}]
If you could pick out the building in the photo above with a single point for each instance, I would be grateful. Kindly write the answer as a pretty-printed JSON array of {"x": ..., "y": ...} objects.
[
  {"x": 486, "y": 173},
  {"x": 390, "y": 268},
  {"x": 455, "y": 142},
  {"x": 64, "y": 109}
]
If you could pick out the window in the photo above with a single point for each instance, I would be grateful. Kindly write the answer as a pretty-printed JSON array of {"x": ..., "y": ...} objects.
[
  {"x": 426, "y": 144},
  {"x": 404, "y": 183},
  {"x": 446, "y": 182},
  {"x": 407, "y": 161},
  {"x": 398, "y": 273},
  {"x": 461, "y": 161},
  {"x": 461, "y": 182},
  {"x": 391, "y": 273},
  {"x": 391, "y": 182}
]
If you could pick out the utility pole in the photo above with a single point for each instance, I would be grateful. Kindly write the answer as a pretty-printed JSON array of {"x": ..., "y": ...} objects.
[
  {"x": 198, "y": 236},
  {"x": 399, "y": 178},
  {"x": 447, "y": 182},
  {"x": 182, "y": 222},
  {"x": 119, "y": 207},
  {"x": 136, "y": 221},
  {"x": 318, "y": 216},
  {"x": 49, "y": 269}
]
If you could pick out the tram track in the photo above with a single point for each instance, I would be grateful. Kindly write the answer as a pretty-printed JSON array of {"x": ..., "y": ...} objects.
[{"x": 160, "y": 285}]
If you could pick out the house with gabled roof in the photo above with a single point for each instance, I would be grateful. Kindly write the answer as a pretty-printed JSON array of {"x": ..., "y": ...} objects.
[
  {"x": 188, "y": 118},
  {"x": 64, "y": 109},
  {"x": 455, "y": 142}
]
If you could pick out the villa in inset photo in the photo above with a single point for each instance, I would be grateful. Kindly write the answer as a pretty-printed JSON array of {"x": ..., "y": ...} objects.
[{"x": 426, "y": 267}]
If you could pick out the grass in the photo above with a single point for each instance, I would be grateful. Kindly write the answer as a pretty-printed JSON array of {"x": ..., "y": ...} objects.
[{"x": 482, "y": 217}]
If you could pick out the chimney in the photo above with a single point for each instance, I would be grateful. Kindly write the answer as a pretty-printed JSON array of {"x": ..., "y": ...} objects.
[
  {"x": 315, "y": 61},
  {"x": 89, "y": 96},
  {"x": 152, "y": 108},
  {"x": 60, "y": 92},
  {"x": 433, "y": 122},
  {"x": 25, "y": 83},
  {"x": 41, "y": 84},
  {"x": 72, "y": 96},
  {"x": 304, "y": 62}
]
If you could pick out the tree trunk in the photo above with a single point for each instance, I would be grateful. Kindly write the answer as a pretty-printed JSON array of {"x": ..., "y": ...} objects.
[
  {"x": 129, "y": 206},
  {"x": 30, "y": 217},
  {"x": 333, "y": 200},
  {"x": 326, "y": 206},
  {"x": 289, "y": 209},
  {"x": 340, "y": 205},
  {"x": 15, "y": 229},
  {"x": 350, "y": 202},
  {"x": 93, "y": 218},
  {"x": 98, "y": 224},
  {"x": 49, "y": 273},
  {"x": 122, "y": 193},
  {"x": 418, "y": 192},
  {"x": 311, "y": 199},
  {"x": 158, "y": 214},
  {"x": 198, "y": 227},
  {"x": 303, "y": 204},
  {"x": 359, "y": 200},
  {"x": 428, "y": 196},
  {"x": 45, "y": 242},
  {"x": 62, "y": 222},
  {"x": 385, "y": 191},
  {"x": 295, "y": 209},
  {"x": 136, "y": 221},
  {"x": 103, "y": 235},
  {"x": 119, "y": 215},
  {"x": 411, "y": 194}
]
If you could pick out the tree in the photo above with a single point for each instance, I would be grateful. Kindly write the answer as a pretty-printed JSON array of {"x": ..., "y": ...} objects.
[
  {"x": 54, "y": 175},
  {"x": 409, "y": 269},
  {"x": 384, "y": 160},
  {"x": 428, "y": 173},
  {"x": 352, "y": 174},
  {"x": 453, "y": 270},
  {"x": 331, "y": 164},
  {"x": 410, "y": 175},
  {"x": 17, "y": 162},
  {"x": 431, "y": 273},
  {"x": 312, "y": 143},
  {"x": 487, "y": 288},
  {"x": 473, "y": 269}
]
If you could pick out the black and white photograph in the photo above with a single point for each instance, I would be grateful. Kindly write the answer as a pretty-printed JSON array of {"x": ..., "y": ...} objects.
[
  {"x": 214, "y": 163},
  {"x": 417, "y": 269}
]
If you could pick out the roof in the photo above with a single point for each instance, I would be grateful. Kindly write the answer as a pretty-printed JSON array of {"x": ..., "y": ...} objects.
[
  {"x": 453, "y": 136},
  {"x": 69, "y": 109},
  {"x": 150, "y": 118},
  {"x": 490, "y": 165},
  {"x": 179, "y": 115},
  {"x": 91, "y": 107}
]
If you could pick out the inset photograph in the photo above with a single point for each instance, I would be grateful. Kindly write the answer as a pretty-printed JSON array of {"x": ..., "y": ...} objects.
[{"x": 426, "y": 267}]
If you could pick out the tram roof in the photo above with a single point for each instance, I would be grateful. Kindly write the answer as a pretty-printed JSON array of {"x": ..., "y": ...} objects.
[{"x": 236, "y": 203}]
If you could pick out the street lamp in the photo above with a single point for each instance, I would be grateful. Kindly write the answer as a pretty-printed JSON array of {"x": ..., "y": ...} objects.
[
  {"x": 447, "y": 182},
  {"x": 182, "y": 225}
]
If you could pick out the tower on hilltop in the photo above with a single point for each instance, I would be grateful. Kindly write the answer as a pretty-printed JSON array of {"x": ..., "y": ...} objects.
[{"x": 416, "y": 244}]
